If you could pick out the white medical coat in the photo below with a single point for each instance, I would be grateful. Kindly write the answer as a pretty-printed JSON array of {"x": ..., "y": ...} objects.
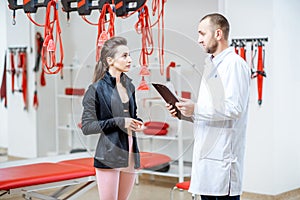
[{"x": 220, "y": 118}]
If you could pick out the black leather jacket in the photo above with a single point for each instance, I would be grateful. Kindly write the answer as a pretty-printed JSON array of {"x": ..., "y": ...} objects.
[{"x": 103, "y": 113}]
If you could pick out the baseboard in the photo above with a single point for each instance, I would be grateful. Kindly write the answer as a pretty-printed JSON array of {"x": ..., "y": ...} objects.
[{"x": 290, "y": 195}]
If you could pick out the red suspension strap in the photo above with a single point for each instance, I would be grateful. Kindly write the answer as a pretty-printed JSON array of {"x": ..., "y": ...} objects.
[
  {"x": 260, "y": 73},
  {"x": 143, "y": 27},
  {"x": 235, "y": 46},
  {"x": 104, "y": 35},
  {"x": 236, "y": 50},
  {"x": 39, "y": 45},
  {"x": 252, "y": 56},
  {"x": 39, "y": 40},
  {"x": 24, "y": 79},
  {"x": 42, "y": 78},
  {"x": 160, "y": 30},
  {"x": 49, "y": 47},
  {"x": 12, "y": 70},
  {"x": 88, "y": 21},
  {"x": 34, "y": 22},
  {"x": 243, "y": 50},
  {"x": 23, "y": 66},
  {"x": 35, "y": 96},
  {"x": 3, "y": 88}
]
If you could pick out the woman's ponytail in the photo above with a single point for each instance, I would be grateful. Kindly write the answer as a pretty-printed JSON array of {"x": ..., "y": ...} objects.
[{"x": 99, "y": 71}]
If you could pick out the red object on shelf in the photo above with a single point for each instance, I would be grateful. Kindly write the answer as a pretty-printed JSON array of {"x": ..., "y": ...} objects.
[
  {"x": 74, "y": 91},
  {"x": 149, "y": 159},
  {"x": 156, "y": 124},
  {"x": 183, "y": 185},
  {"x": 186, "y": 94},
  {"x": 155, "y": 131},
  {"x": 156, "y": 128}
]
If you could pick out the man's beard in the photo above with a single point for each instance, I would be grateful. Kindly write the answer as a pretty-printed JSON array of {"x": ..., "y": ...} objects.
[{"x": 212, "y": 47}]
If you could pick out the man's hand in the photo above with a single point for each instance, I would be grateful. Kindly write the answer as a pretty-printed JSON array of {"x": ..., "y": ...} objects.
[
  {"x": 171, "y": 109},
  {"x": 186, "y": 107}
]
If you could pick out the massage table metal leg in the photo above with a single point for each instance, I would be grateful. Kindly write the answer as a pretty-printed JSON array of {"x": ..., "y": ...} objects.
[
  {"x": 56, "y": 195},
  {"x": 32, "y": 191},
  {"x": 62, "y": 191},
  {"x": 137, "y": 180},
  {"x": 81, "y": 190},
  {"x": 30, "y": 195},
  {"x": 3, "y": 193}
]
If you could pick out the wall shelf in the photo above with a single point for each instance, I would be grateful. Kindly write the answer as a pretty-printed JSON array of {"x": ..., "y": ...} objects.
[
  {"x": 160, "y": 137},
  {"x": 68, "y": 113},
  {"x": 174, "y": 142}
]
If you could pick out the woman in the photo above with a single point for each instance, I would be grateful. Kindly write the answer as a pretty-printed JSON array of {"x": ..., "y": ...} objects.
[{"x": 109, "y": 108}]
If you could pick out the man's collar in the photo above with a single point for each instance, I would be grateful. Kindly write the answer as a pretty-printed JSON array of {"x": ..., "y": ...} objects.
[{"x": 220, "y": 57}]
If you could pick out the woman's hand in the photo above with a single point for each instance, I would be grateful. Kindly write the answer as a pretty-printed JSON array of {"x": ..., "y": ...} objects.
[{"x": 134, "y": 125}]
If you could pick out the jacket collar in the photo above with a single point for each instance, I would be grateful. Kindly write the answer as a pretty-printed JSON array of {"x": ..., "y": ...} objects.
[{"x": 112, "y": 80}]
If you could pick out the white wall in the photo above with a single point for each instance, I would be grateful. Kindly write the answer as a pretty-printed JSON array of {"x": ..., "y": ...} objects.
[
  {"x": 19, "y": 128},
  {"x": 272, "y": 158},
  {"x": 287, "y": 138},
  {"x": 21, "y": 123},
  {"x": 3, "y": 44}
]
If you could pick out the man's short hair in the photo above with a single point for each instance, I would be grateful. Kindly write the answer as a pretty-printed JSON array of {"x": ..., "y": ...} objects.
[{"x": 218, "y": 21}]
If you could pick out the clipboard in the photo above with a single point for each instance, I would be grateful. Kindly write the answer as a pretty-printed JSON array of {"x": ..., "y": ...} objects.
[{"x": 170, "y": 98}]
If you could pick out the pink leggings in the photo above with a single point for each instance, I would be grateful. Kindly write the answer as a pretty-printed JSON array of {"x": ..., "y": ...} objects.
[{"x": 116, "y": 184}]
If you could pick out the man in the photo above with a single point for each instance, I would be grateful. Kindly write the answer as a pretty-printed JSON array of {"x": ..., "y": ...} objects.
[{"x": 220, "y": 115}]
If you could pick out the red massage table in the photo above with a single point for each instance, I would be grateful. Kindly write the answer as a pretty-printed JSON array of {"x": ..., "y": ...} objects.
[
  {"x": 72, "y": 177},
  {"x": 65, "y": 175}
]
